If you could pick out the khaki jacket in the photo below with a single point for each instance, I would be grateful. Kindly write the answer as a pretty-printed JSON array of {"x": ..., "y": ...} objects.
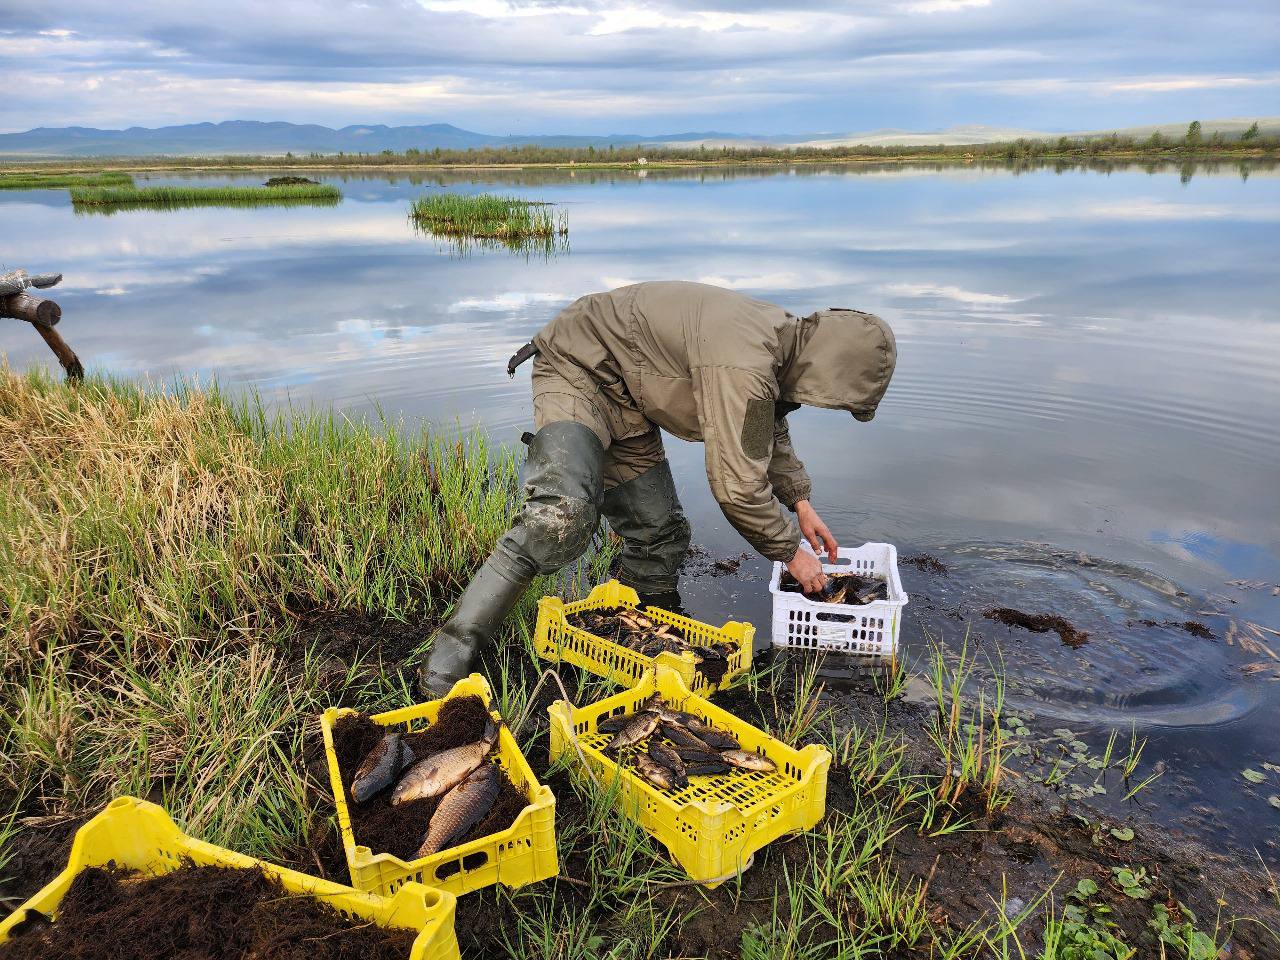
[{"x": 711, "y": 365}]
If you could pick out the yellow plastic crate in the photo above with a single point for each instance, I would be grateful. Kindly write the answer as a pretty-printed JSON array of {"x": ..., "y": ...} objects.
[
  {"x": 555, "y": 640},
  {"x": 523, "y": 853},
  {"x": 713, "y": 826},
  {"x": 139, "y": 835}
]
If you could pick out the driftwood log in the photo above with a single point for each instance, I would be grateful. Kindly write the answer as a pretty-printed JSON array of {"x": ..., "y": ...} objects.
[{"x": 42, "y": 314}]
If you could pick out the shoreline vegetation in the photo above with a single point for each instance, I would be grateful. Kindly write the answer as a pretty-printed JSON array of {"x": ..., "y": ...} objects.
[
  {"x": 188, "y": 579},
  {"x": 1193, "y": 147}
]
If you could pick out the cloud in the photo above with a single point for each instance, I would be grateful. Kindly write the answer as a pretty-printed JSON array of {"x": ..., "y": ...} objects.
[
  {"x": 945, "y": 292},
  {"x": 655, "y": 65}
]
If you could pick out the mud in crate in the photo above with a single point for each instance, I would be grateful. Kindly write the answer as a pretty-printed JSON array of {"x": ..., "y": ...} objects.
[
  {"x": 557, "y": 640},
  {"x": 522, "y": 854},
  {"x": 136, "y": 835},
  {"x": 868, "y": 631},
  {"x": 714, "y": 826}
]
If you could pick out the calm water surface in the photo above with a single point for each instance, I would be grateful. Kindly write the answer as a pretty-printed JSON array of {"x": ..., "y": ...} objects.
[{"x": 1084, "y": 417}]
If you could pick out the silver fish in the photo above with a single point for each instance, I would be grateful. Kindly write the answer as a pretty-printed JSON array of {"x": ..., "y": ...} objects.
[
  {"x": 443, "y": 771},
  {"x": 461, "y": 809}
]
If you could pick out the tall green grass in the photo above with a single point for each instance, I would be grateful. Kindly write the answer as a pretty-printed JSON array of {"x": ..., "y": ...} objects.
[
  {"x": 162, "y": 197},
  {"x": 38, "y": 181},
  {"x": 490, "y": 220}
]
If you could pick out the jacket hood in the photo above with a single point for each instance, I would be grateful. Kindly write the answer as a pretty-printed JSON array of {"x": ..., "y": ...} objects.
[{"x": 843, "y": 361}]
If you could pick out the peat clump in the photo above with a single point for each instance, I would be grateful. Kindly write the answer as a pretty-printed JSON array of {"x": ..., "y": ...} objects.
[
  {"x": 399, "y": 830},
  {"x": 199, "y": 913},
  {"x": 1039, "y": 623}
]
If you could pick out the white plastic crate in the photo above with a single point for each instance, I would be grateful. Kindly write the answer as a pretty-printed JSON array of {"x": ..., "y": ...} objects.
[{"x": 868, "y": 630}]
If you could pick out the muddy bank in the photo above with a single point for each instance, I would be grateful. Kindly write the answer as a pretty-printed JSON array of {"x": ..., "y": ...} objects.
[{"x": 198, "y": 913}]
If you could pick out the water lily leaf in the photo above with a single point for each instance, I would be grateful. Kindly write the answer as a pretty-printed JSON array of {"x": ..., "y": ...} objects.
[
  {"x": 1253, "y": 776},
  {"x": 1124, "y": 834},
  {"x": 1086, "y": 887},
  {"x": 1064, "y": 733}
]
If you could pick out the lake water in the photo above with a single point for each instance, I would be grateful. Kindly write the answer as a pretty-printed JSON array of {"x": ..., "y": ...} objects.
[{"x": 1083, "y": 420}]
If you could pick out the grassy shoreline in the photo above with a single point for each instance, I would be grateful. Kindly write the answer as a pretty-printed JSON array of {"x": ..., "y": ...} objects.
[
  {"x": 187, "y": 580},
  {"x": 1023, "y": 151}
]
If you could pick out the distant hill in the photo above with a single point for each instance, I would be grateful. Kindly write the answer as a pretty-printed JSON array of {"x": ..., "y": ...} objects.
[{"x": 256, "y": 137}]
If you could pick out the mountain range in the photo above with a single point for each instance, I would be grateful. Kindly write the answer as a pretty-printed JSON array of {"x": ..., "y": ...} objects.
[{"x": 257, "y": 137}]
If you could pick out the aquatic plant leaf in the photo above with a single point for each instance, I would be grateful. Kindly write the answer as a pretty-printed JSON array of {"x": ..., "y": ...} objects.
[
  {"x": 1253, "y": 776},
  {"x": 1124, "y": 834},
  {"x": 1274, "y": 801},
  {"x": 1064, "y": 733}
]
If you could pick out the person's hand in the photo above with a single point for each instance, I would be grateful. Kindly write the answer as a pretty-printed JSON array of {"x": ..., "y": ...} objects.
[
  {"x": 815, "y": 531},
  {"x": 807, "y": 569}
]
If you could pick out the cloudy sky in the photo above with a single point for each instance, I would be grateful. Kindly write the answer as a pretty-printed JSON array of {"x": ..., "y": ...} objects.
[{"x": 598, "y": 66}]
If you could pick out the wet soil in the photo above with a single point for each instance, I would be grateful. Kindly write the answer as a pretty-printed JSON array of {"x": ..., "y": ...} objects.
[
  {"x": 400, "y": 830},
  {"x": 700, "y": 562},
  {"x": 926, "y": 563},
  {"x": 198, "y": 913},
  {"x": 1039, "y": 623},
  {"x": 1193, "y": 627}
]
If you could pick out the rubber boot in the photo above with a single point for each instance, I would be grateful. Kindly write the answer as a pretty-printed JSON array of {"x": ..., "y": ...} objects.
[
  {"x": 476, "y": 618},
  {"x": 554, "y": 527},
  {"x": 668, "y": 600},
  {"x": 645, "y": 512}
]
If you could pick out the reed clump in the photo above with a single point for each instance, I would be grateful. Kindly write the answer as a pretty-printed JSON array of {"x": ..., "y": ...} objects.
[
  {"x": 508, "y": 220},
  {"x": 41, "y": 181},
  {"x": 187, "y": 196}
]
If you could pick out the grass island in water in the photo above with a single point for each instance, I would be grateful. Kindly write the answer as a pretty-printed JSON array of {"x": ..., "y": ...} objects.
[
  {"x": 171, "y": 197},
  {"x": 488, "y": 219}
]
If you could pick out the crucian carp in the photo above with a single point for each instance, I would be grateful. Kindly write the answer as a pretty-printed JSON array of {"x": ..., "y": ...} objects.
[{"x": 441, "y": 772}]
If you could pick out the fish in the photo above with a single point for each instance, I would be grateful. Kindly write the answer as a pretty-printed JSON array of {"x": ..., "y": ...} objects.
[
  {"x": 877, "y": 591},
  {"x": 656, "y": 704},
  {"x": 640, "y": 727},
  {"x": 461, "y": 809},
  {"x": 613, "y": 724},
  {"x": 681, "y": 737},
  {"x": 377, "y": 771},
  {"x": 745, "y": 760},
  {"x": 654, "y": 772},
  {"x": 713, "y": 737},
  {"x": 664, "y": 755},
  {"x": 705, "y": 755},
  {"x": 440, "y": 772},
  {"x": 707, "y": 769}
]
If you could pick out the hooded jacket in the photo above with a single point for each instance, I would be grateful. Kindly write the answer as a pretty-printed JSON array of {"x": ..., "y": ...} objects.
[{"x": 712, "y": 365}]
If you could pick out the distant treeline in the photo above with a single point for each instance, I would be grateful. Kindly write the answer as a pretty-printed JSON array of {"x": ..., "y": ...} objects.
[{"x": 1193, "y": 145}]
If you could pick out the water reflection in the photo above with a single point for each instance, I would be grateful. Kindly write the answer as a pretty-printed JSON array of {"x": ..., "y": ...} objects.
[{"x": 1089, "y": 367}]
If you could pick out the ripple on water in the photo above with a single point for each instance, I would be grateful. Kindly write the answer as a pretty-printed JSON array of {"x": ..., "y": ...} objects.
[{"x": 1128, "y": 672}]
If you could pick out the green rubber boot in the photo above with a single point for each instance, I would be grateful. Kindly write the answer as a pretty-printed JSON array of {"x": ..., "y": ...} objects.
[
  {"x": 476, "y": 618},
  {"x": 554, "y": 527}
]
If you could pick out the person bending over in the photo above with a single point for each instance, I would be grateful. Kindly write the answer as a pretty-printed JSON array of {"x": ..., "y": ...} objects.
[{"x": 611, "y": 372}]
